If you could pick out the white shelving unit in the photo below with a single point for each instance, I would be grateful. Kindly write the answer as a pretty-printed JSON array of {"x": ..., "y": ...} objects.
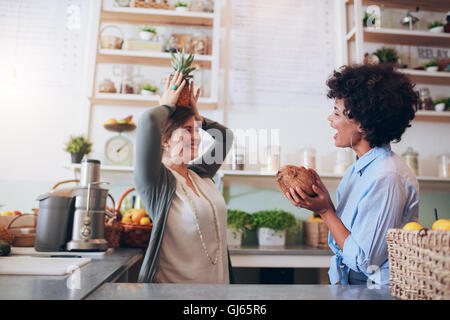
[
  {"x": 141, "y": 16},
  {"x": 359, "y": 35}
]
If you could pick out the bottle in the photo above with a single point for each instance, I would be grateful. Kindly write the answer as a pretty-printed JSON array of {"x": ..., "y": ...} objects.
[
  {"x": 444, "y": 166},
  {"x": 426, "y": 103}
]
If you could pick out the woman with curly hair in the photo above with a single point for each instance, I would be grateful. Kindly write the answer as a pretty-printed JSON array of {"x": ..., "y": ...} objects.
[{"x": 374, "y": 105}]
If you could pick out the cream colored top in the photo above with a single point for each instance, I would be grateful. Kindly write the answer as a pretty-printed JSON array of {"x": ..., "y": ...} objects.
[{"x": 182, "y": 258}]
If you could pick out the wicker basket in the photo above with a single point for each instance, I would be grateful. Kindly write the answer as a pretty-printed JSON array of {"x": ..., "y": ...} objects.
[
  {"x": 419, "y": 264},
  {"x": 134, "y": 236},
  {"x": 113, "y": 229},
  {"x": 151, "y": 4},
  {"x": 315, "y": 233}
]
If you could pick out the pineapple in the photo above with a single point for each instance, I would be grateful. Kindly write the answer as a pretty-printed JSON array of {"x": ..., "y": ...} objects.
[{"x": 182, "y": 64}]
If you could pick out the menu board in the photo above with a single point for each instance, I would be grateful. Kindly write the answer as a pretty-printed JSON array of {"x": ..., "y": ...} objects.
[
  {"x": 281, "y": 52},
  {"x": 43, "y": 40}
]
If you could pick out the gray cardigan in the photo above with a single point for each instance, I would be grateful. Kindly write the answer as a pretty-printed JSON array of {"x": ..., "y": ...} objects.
[{"x": 156, "y": 185}]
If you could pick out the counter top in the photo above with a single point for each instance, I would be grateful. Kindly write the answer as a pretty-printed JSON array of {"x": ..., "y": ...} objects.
[
  {"x": 76, "y": 286},
  {"x": 159, "y": 291},
  {"x": 302, "y": 250}
]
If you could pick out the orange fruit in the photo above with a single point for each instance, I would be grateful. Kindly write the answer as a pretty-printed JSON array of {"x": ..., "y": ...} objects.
[
  {"x": 145, "y": 221},
  {"x": 138, "y": 214},
  {"x": 413, "y": 226},
  {"x": 441, "y": 224}
]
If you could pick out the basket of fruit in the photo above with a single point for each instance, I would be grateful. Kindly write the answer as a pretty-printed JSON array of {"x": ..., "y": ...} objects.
[
  {"x": 419, "y": 261},
  {"x": 123, "y": 125},
  {"x": 136, "y": 225},
  {"x": 315, "y": 232}
]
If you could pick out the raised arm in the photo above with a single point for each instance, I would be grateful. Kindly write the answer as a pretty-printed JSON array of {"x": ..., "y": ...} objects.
[
  {"x": 148, "y": 146},
  {"x": 213, "y": 158}
]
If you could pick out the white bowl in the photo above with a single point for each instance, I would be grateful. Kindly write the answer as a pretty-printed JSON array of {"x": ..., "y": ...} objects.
[
  {"x": 145, "y": 35},
  {"x": 146, "y": 92},
  {"x": 437, "y": 29},
  {"x": 181, "y": 9},
  {"x": 432, "y": 69}
]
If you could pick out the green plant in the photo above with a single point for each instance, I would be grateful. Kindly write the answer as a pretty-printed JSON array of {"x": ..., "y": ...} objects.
[
  {"x": 387, "y": 55},
  {"x": 368, "y": 16},
  {"x": 149, "y": 87},
  {"x": 431, "y": 63},
  {"x": 435, "y": 24},
  {"x": 274, "y": 219},
  {"x": 239, "y": 220},
  {"x": 146, "y": 28},
  {"x": 181, "y": 4},
  {"x": 443, "y": 100},
  {"x": 78, "y": 144}
]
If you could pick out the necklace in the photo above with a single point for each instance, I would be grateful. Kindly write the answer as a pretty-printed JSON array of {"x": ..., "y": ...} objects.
[{"x": 216, "y": 224}]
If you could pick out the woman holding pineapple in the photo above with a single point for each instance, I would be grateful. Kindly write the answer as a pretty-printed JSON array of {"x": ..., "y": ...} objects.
[{"x": 188, "y": 242}]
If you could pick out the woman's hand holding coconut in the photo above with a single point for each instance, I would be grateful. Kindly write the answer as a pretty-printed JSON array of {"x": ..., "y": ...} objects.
[{"x": 320, "y": 203}]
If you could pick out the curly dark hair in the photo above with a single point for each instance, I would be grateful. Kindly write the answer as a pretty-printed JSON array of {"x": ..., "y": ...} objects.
[{"x": 381, "y": 99}]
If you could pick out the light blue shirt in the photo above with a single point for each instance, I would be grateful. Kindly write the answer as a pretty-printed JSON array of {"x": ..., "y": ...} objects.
[{"x": 377, "y": 192}]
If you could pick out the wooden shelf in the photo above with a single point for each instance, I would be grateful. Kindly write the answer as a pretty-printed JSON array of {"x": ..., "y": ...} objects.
[
  {"x": 406, "y": 37},
  {"x": 76, "y": 166},
  {"x": 422, "y": 76},
  {"x": 141, "y": 100},
  {"x": 156, "y": 16},
  {"x": 145, "y": 58},
  {"x": 434, "y": 116},
  {"x": 429, "y": 5}
]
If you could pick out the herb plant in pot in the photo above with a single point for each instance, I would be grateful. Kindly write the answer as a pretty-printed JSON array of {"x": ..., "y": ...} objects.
[
  {"x": 181, "y": 6},
  {"x": 78, "y": 147},
  {"x": 147, "y": 33},
  {"x": 238, "y": 222},
  {"x": 436, "y": 26},
  {"x": 148, "y": 90},
  {"x": 272, "y": 226},
  {"x": 387, "y": 55}
]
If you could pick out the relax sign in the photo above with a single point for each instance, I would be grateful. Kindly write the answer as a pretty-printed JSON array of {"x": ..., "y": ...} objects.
[{"x": 432, "y": 54}]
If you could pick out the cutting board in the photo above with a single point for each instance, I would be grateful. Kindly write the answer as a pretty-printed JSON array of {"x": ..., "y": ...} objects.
[
  {"x": 42, "y": 266},
  {"x": 31, "y": 251}
]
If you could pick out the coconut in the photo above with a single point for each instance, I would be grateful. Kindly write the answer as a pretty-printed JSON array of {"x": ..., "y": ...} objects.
[{"x": 291, "y": 176}]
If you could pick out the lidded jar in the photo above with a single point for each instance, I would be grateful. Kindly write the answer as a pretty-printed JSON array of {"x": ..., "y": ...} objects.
[{"x": 412, "y": 160}]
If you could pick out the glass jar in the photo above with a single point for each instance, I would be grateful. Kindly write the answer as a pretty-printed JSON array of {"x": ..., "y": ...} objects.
[
  {"x": 308, "y": 158},
  {"x": 343, "y": 160},
  {"x": 426, "y": 103},
  {"x": 127, "y": 86},
  {"x": 202, "y": 5},
  {"x": 272, "y": 158},
  {"x": 444, "y": 165},
  {"x": 412, "y": 160},
  {"x": 199, "y": 43}
]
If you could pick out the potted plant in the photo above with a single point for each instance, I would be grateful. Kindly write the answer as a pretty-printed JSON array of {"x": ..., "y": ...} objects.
[
  {"x": 436, "y": 26},
  {"x": 369, "y": 18},
  {"x": 78, "y": 147},
  {"x": 431, "y": 66},
  {"x": 148, "y": 90},
  {"x": 387, "y": 55},
  {"x": 147, "y": 33},
  {"x": 272, "y": 226},
  {"x": 237, "y": 223},
  {"x": 181, "y": 6}
]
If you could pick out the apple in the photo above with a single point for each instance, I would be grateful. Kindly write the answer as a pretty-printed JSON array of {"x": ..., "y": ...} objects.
[
  {"x": 122, "y": 122},
  {"x": 17, "y": 213}
]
